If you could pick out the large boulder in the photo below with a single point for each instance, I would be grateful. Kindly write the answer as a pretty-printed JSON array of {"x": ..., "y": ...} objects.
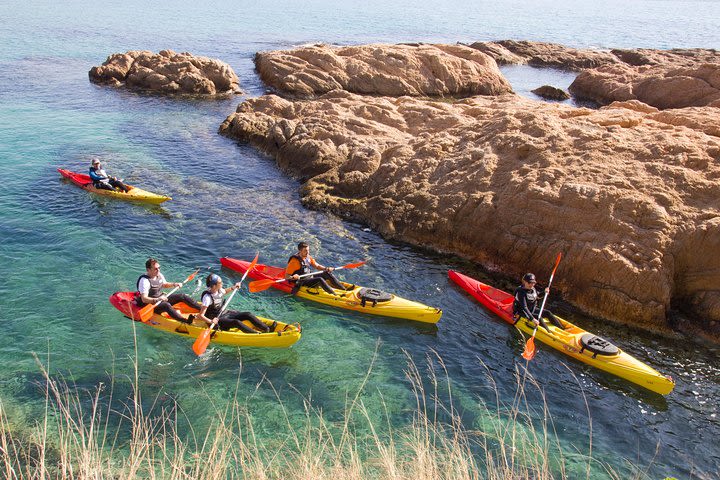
[
  {"x": 660, "y": 86},
  {"x": 395, "y": 70},
  {"x": 628, "y": 193},
  {"x": 167, "y": 72}
]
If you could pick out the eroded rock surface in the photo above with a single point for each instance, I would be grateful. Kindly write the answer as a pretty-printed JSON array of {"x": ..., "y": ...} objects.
[
  {"x": 167, "y": 72},
  {"x": 543, "y": 54},
  {"x": 661, "y": 86},
  {"x": 394, "y": 70},
  {"x": 628, "y": 193},
  {"x": 551, "y": 93}
]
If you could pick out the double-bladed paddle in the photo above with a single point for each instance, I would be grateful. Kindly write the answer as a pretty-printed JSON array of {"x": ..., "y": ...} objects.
[
  {"x": 203, "y": 340},
  {"x": 260, "y": 285},
  {"x": 146, "y": 312},
  {"x": 529, "y": 351}
]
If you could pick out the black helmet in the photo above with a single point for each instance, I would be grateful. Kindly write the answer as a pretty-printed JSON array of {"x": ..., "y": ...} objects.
[{"x": 529, "y": 277}]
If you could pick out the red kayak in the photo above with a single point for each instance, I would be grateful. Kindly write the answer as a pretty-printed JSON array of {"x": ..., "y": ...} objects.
[{"x": 570, "y": 340}]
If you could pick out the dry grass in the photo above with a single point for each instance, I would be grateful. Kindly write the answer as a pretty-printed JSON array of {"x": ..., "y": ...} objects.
[{"x": 72, "y": 442}]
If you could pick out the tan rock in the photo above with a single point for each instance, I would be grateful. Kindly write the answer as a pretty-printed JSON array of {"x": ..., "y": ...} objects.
[
  {"x": 543, "y": 54},
  {"x": 395, "y": 70},
  {"x": 167, "y": 72},
  {"x": 627, "y": 193},
  {"x": 660, "y": 86}
]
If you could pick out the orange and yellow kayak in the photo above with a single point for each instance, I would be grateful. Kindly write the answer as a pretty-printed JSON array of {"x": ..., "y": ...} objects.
[
  {"x": 135, "y": 194},
  {"x": 359, "y": 299},
  {"x": 572, "y": 340},
  {"x": 284, "y": 335}
]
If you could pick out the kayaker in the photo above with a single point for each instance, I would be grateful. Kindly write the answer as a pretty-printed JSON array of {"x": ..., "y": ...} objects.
[
  {"x": 212, "y": 302},
  {"x": 302, "y": 263},
  {"x": 149, "y": 291},
  {"x": 526, "y": 303},
  {"x": 102, "y": 180}
]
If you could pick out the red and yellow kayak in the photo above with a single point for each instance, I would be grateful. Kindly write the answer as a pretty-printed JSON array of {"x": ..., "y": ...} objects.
[
  {"x": 572, "y": 340},
  {"x": 284, "y": 335},
  {"x": 359, "y": 299},
  {"x": 135, "y": 194}
]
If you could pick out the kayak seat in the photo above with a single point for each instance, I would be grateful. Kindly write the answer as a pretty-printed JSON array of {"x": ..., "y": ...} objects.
[
  {"x": 373, "y": 295},
  {"x": 597, "y": 345}
]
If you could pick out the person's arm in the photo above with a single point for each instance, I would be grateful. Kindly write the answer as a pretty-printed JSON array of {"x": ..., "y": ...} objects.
[
  {"x": 144, "y": 289},
  {"x": 524, "y": 309},
  {"x": 291, "y": 267},
  {"x": 318, "y": 266},
  {"x": 94, "y": 176}
]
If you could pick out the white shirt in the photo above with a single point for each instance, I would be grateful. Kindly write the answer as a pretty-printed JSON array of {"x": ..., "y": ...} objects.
[{"x": 144, "y": 285}]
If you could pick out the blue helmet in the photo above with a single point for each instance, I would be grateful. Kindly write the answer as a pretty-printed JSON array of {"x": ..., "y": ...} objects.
[{"x": 212, "y": 280}]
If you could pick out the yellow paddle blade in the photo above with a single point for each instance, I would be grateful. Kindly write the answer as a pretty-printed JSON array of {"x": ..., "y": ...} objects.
[
  {"x": 260, "y": 285},
  {"x": 202, "y": 342},
  {"x": 529, "y": 351}
]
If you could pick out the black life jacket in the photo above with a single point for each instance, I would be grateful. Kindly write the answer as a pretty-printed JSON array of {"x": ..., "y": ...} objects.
[
  {"x": 531, "y": 300},
  {"x": 214, "y": 309},
  {"x": 305, "y": 266},
  {"x": 155, "y": 291}
]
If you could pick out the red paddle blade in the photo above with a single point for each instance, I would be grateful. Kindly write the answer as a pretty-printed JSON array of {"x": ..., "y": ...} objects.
[
  {"x": 354, "y": 265},
  {"x": 202, "y": 342},
  {"x": 529, "y": 352},
  {"x": 260, "y": 285}
]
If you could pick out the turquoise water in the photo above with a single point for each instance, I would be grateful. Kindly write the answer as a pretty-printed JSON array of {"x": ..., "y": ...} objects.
[{"x": 64, "y": 252}]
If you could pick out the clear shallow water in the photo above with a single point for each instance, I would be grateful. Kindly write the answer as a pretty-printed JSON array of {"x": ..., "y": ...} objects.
[{"x": 63, "y": 252}]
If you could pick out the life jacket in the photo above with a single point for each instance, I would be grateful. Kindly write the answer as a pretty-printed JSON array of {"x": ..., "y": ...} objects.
[
  {"x": 531, "y": 297},
  {"x": 100, "y": 173},
  {"x": 215, "y": 307},
  {"x": 155, "y": 291},
  {"x": 305, "y": 266}
]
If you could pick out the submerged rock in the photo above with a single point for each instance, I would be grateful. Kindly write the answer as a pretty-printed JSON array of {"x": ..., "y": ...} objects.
[
  {"x": 395, "y": 70},
  {"x": 551, "y": 93},
  {"x": 167, "y": 72},
  {"x": 628, "y": 193}
]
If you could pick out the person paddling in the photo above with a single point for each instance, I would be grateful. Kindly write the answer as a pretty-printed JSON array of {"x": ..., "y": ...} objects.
[
  {"x": 302, "y": 263},
  {"x": 149, "y": 291},
  {"x": 101, "y": 179},
  {"x": 212, "y": 303},
  {"x": 526, "y": 303}
]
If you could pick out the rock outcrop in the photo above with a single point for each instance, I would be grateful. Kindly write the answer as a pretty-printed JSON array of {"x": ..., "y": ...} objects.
[
  {"x": 551, "y": 93},
  {"x": 394, "y": 70},
  {"x": 661, "y": 86},
  {"x": 167, "y": 72},
  {"x": 628, "y": 193},
  {"x": 543, "y": 54}
]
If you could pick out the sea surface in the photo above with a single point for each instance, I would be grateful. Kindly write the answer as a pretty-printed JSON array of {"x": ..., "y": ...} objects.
[{"x": 63, "y": 251}]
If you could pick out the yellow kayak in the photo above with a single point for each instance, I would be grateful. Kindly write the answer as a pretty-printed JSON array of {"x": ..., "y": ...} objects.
[
  {"x": 283, "y": 336},
  {"x": 359, "y": 299},
  {"x": 135, "y": 194},
  {"x": 572, "y": 340}
]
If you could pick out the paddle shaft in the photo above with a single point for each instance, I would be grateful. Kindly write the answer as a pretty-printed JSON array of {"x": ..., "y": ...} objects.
[
  {"x": 529, "y": 352},
  {"x": 217, "y": 318}
]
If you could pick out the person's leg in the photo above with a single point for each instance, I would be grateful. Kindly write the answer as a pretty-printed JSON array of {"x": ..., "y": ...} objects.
[
  {"x": 103, "y": 186},
  {"x": 120, "y": 185},
  {"x": 312, "y": 282},
  {"x": 166, "y": 307},
  {"x": 182, "y": 297},
  {"x": 553, "y": 319},
  {"x": 227, "y": 321},
  {"x": 259, "y": 324},
  {"x": 332, "y": 280}
]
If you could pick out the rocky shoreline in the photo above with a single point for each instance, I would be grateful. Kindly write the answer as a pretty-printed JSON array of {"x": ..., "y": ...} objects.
[{"x": 628, "y": 192}]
